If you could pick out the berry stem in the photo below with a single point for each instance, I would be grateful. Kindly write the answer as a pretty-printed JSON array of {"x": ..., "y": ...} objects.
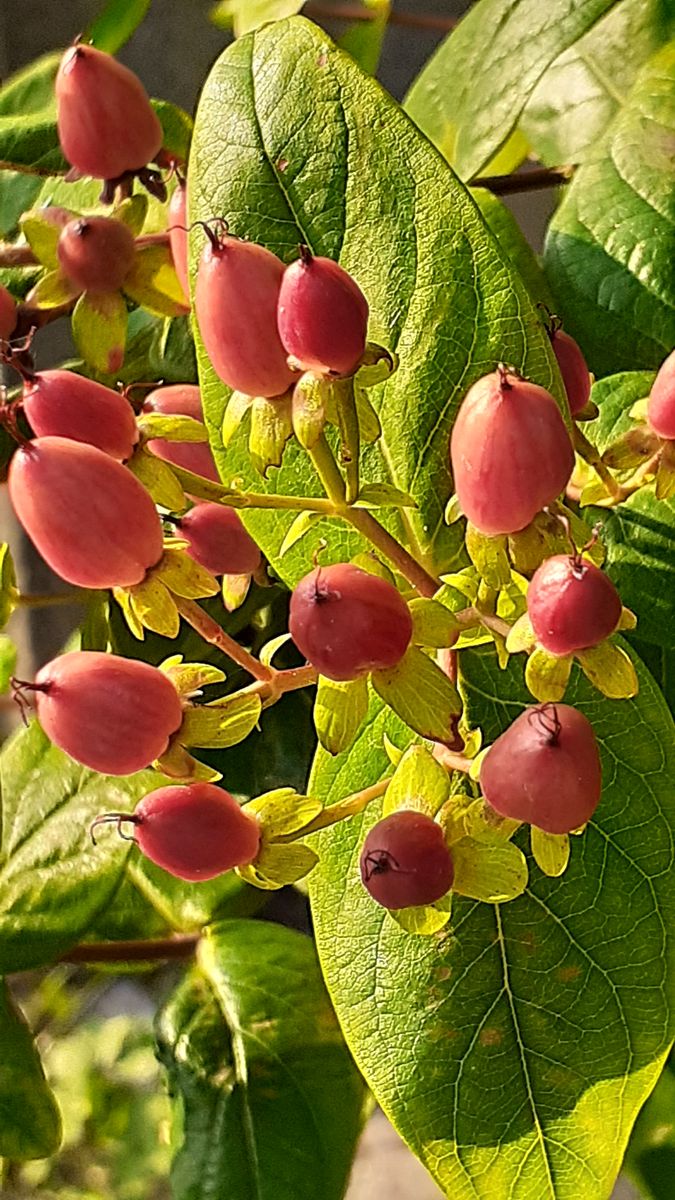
[
  {"x": 211, "y": 632},
  {"x": 16, "y": 256},
  {"x": 205, "y": 489},
  {"x": 468, "y": 618},
  {"x": 54, "y": 600},
  {"x": 325, "y": 465},
  {"x": 349, "y": 807},
  {"x": 588, "y": 452},
  {"x": 290, "y": 680}
]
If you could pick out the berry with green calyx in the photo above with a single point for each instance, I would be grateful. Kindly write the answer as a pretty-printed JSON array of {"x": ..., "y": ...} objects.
[
  {"x": 572, "y": 604},
  {"x": 96, "y": 253},
  {"x": 405, "y": 861}
]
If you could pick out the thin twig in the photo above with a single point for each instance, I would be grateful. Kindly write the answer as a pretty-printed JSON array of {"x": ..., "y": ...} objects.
[
  {"x": 354, "y": 12},
  {"x": 525, "y": 181},
  {"x": 154, "y": 949},
  {"x": 16, "y": 256},
  {"x": 211, "y": 632}
]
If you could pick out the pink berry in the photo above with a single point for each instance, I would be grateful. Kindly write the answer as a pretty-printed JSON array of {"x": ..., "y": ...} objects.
[
  {"x": 112, "y": 714},
  {"x": 405, "y": 861},
  {"x": 571, "y": 604},
  {"x": 347, "y": 622},
  {"x": 7, "y": 314},
  {"x": 218, "y": 541},
  {"x": 573, "y": 368},
  {"x": 661, "y": 403},
  {"x": 96, "y": 253},
  {"x": 322, "y": 316},
  {"x": 87, "y": 515},
  {"x": 511, "y": 453},
  {"x": 545, "y": 769},
  {"x": 63, "y": 404},
  {"x": 236, "y": 307},
  {"x": 196, "y": 831},
  {"x": 181, "y": 399},
  {"x": 105, "y": 121},
  {"x": 178, "y": 237}
]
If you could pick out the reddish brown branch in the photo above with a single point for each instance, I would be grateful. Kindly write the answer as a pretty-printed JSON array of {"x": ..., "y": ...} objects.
[
  {"x": 152, "y": 950},
  {"x": 525, "y": 181}
]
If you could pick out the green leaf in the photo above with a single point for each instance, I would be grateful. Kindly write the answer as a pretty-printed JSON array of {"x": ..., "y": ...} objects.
[
  {"x": 30, "y": 1121},
  {"x": 31, "y": 89},
  {"x": 363, "y": 40},
  {"x": 99, "y": 328},
  {"x": 246, "y": 15},
  {"x": 433, "y": 623},
  {"x": 568, "y": 114},
  {"x": 383, "y": 495},
  {"x": 469, "y": 96},
  {"x": 187, "y": 907},
  {"x": 7, "y": 662},
  {"x": 8, "y": 588},
  {"x": 650, "y": 1158},
  {"x": 421, "y": 694},
  {"x": 619, "y": 304},
  {"x": 158, "y": 478},
  {"x": 532, "y": 1028},
  {"x": 152, "y": 282},
  {"x": 17, "y": 194},
  {"x": 550, "y": 851},
  {"x": 278, "y": 866},
  {"x": 253, "y": 1050},
  {"x": 52, "y": 290},
  {"x": 610, "y": 670},
  {"x": 546, "y": 675},
  {"x": 53, "y": 880},
  {"x": 515, "y": 245},
  {"x": 223, "y": 723},
  {"x": 322, "y": 155},
  {"x": 419, "y": 783},
  {"x": 115, "y": 25},
  {"x": 339, "y": 709}
]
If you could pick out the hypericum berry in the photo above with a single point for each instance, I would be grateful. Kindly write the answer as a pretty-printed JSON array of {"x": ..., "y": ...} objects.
[
  {"x": 405, "y": 861},
  {"x": 178, "y": 237},
  {"x": 96, "y": 253},
  {"x": 86, "y": 514},
  {"x": 571, "y": 604},
  {"x": 573, "y": 368},
  {"x": 62, "y": 404},
  {"x": 661, "y": 403},
  {"x": 322, "y": 316},
  {"x": 181, "y": 399},
  {"x": 194, "y": 832},
  {"x": 218, "y": 541},
  {"x": 347, "y": 622},
  {"x": 7, "y": 314},
  {"x": 545, "y": 769},
  {"x": 106, "y": 123},
  {"x": 236, "y": 297},
  {"x": 511, "y": 453},
  {"x": 112, "y": 714}
]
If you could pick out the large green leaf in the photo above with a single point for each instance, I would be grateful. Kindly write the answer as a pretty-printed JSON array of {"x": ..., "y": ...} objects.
[
  {"x": 271, "y": 1101},
  {"x": 293, "y": 142},
  {"x": 650, "y": 1159},
  {"x": 470, "y": 94},
  {"x": 514, "y": 243},
  {"x": 514, "y": 1052},
  {"x": 610, "y": 247},
  {"x": 30, "y": 1122},
  {"x": 53, "y": 880},
  {"x": 638, "y": 534},
  {"x": 116, "y": 23},
  {"x": 569, "y": 111}
]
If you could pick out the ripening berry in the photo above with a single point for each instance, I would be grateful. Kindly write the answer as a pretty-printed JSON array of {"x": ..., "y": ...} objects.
[
  {"x": 405, "y": 861},
  {"x": 236, "y": 297},
  {"x": 87, "y": 515},
  {"x": 196, "y": 831},
  {"x": 7, "y": 314},
  {"x": 511, "y": 452},
  {"x": 218, "y": 541},
  {"x": 347, "y": 622},
  {"x": 545, "y": 769},
  {"x": 112, "y": 714},
  {"x": 661, "y": 403},
  {"x": 573, "y": 368},
  {"x": 322, "y": 316},
  {"x": 181, "y": 399},
  {"x": 571, "y": 604},
  {"x": 106, "y": 123},
  {"x": 62, "y": 404},
  {"x": 178, "y": 237},
  {"x": 96, "y": 253}
]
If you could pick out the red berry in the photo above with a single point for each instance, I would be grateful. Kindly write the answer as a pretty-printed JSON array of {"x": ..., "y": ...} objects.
[
  {"x": 661, "y": 403},
  {"x": 195, "y": 832},
  {"x": 63, "y": 404},
  {"x": 87, "y": 515},
  {"x": 105, "y": 121},
  {"x": 236, "y": 306},
  {"x": 573, "y": 368},
  {"x": 545, "y": 769},
  {"x": 178, "y": 237},
  {"x": 347, "y": 622},
  {"x": 405, "y": 861},
  {"x": 571, "y": 604},
  {"x": 511, "y": 453},
  {"x": 96, "y": 253},
  {"x": 112, "y": 714},
  {"x": 218, "y": 541},
  {"x": 182, "y": 399},
  {"x": 322, "y": 316},
  {"x": 7, "y": 314}
]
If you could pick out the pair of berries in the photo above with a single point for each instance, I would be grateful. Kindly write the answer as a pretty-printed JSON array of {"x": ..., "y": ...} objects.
[
  {"x": 262, "y": 323},
  {"x": 544, "y": 770}
]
